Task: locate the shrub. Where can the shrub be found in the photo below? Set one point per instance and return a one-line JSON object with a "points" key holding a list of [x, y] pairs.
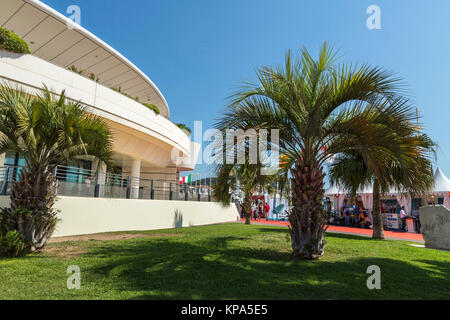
{"points": [[12, 244], [152, 107], [10, 41], [75, 69], [183, 127], [148, 105], [91, 76]]}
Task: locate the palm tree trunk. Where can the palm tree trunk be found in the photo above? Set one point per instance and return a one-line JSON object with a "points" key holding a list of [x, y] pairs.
{"points": [[247, 208], [33, 197], [307, 218], [378, 230]]}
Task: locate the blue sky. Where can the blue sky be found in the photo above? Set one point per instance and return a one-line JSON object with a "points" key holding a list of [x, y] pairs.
{"points": [[197, 51]]}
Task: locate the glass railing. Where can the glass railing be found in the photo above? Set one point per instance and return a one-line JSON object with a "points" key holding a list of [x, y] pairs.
{"points": [[79, 182]]}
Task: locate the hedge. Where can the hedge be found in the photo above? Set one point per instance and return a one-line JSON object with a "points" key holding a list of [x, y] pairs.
{"points": [[182, 126], [10, 41], [152, 107]]}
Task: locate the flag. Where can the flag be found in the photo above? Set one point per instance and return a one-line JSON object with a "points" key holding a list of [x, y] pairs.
{"points": [[184, 180]]}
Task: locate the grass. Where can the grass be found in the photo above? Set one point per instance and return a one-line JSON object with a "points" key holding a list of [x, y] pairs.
{"points": [[228, 261]]}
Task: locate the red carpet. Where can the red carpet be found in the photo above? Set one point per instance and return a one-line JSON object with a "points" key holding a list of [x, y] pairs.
{"points": [[358, 231]]}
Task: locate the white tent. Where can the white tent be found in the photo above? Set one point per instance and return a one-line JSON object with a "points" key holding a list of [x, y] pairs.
{"points": [[334, 189], [339, 193], [441, 182], [442, 186]]}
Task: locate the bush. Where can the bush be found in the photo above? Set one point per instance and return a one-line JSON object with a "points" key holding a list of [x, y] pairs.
{"points": [[10, 41], [148, 105], [152, 107], [12, 244], [183, 127]]}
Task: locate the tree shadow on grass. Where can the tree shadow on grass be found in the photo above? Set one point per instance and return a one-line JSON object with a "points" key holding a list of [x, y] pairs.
{"points": [[281, 230], [215, 269]]}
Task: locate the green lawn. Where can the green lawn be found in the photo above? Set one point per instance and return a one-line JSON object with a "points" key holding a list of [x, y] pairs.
{"points": [[229, 261]]}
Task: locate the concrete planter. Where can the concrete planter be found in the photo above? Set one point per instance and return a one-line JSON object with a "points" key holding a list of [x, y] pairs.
{"points": [[435, 226]]}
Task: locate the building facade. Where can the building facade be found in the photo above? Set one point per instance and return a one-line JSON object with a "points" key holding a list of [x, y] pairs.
{"points": [[65, 56]]}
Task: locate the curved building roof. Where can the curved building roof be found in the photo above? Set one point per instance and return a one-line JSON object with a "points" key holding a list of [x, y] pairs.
{"points": [[57, 39]]}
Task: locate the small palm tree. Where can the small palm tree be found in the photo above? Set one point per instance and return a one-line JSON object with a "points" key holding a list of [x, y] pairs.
{"points": [[244, 178], [411, 172], [321, 110], [46, 131]]}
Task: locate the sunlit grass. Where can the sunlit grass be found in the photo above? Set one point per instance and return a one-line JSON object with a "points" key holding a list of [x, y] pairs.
{"points": [[228, 261]]}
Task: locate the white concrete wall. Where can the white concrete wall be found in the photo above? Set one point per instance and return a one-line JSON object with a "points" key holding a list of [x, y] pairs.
{"points": [[91, 215]]}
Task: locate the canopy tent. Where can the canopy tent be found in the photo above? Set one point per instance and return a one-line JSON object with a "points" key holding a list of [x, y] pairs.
{"points": [[339, 193], [277, 203], [336, 189], [441, 187], [441, 182]]}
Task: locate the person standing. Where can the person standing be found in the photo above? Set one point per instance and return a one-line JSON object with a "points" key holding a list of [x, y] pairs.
{"points": [[267, 209], [403, 217], [87, 182], [416, 215], [344, 207], [347, 216], [260, 211], [355, 213]]}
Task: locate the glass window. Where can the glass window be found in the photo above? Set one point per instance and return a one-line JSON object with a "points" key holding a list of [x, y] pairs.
{"points": [[10, 159]]}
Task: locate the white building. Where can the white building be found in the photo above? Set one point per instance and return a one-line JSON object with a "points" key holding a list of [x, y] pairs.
{"points": [[144, 143], [143, 140]]}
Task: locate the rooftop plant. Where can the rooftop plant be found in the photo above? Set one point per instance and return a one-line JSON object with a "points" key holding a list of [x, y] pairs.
{"points": [[119, 90], [183, 127], [10, 41], [152, 107], [148, 105], [91, 76]]}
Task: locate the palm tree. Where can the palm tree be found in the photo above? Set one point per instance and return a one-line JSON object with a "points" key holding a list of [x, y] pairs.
{"points": [[411, 172], [46, 131], [321, 109], [244, 178]]}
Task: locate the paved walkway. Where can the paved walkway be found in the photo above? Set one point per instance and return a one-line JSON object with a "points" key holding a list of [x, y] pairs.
{"points": [[395, 235]]}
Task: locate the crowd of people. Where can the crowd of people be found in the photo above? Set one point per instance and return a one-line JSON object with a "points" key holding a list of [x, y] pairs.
{"points": [[355, 216], [260, 210], [349, 215], [352, 216]]}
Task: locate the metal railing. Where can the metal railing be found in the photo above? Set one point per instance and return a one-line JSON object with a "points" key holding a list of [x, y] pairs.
{"points": [[79, 182]]}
